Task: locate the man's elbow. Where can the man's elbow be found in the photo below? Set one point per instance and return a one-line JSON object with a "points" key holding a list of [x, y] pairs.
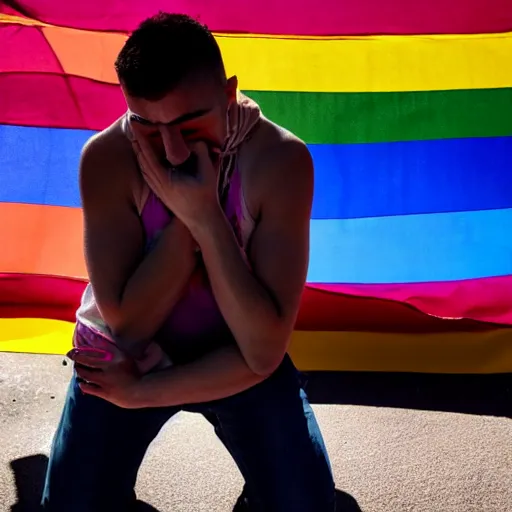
{"points": [[268, 359], [129, 336], [118, 325], [130, 332]]}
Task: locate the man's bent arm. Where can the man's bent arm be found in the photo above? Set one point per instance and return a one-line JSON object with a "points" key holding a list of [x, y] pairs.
{"points": [[134, 292], [219, 374], [152, 290], [260, 305]]}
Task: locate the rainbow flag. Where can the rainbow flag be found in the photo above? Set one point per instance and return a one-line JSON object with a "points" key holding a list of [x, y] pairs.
{"points": [[407, 110]]}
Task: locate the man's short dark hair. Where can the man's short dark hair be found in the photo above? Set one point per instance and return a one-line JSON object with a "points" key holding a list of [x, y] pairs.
{"points": [[165, 50]]}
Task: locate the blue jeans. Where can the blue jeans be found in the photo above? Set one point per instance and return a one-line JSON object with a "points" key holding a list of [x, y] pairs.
{"points": [[270, 431]]}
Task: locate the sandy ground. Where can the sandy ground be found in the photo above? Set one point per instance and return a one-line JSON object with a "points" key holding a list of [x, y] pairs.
{"points": [[398, 443]]}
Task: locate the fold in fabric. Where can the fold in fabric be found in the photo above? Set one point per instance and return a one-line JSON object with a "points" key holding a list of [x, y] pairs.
{"points": [[411, 308], [350, 17]]}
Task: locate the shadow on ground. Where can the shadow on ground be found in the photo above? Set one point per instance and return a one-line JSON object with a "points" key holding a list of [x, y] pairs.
{"points": [[489, 395], [29, 479], [29, 473]]}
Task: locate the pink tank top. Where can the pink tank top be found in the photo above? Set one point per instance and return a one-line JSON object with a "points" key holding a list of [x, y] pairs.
{"points": [[196, 321]]}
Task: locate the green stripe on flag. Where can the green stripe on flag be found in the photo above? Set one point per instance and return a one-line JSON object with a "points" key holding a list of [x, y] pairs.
{"points": [[344, 118]]}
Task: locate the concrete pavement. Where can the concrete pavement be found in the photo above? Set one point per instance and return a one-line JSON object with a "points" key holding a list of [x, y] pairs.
{"points": [[397, 443]]}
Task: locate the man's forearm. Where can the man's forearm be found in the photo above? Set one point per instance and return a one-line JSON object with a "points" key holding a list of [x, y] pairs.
{"points": [[154, 289], [217, 375], [249, 310]]}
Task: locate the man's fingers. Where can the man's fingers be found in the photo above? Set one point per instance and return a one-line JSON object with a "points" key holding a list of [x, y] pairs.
{"points": [[102, 348], [200, 148], [209, 163], [147, 156], [93, 352], [90, 389], [91, 361], [141, 157], [91, 376], [154, 173], [206, 154]]}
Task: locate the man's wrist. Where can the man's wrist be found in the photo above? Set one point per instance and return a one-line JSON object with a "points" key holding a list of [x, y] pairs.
{"points": [[147, 391], [178, 235], [139, 394], [135, 349], [206, 228]]}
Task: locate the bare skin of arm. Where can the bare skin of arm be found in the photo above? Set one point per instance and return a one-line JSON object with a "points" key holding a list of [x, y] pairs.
{"points": [[134, 293], [259, 305]]}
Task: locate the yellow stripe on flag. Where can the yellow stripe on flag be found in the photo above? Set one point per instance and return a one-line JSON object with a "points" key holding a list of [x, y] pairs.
{"points": [[449, 352], [356, 64], [455, 352], [35, 335]]}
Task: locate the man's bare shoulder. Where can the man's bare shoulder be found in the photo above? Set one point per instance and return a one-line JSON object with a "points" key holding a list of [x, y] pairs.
{"points": [[107, 146], [107, 159], [276, 163]]}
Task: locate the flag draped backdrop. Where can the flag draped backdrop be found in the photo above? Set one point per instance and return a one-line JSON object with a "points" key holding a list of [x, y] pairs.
{"points": [[406, 107]]}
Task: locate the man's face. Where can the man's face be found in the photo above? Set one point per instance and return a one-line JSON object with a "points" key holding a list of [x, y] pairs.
{"points": [[196, 109]]}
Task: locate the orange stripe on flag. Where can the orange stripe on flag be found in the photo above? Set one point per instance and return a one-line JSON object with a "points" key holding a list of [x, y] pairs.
{"points": [[42, 240], [84, 53]]}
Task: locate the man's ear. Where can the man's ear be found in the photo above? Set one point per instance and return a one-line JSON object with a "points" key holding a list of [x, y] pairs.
{"points": [[231, 88]]}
